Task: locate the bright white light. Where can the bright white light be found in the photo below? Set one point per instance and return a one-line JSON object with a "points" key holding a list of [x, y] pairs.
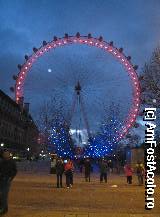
{"points": [[2, 144], [154, 100], [28, 149], [49, 70]]}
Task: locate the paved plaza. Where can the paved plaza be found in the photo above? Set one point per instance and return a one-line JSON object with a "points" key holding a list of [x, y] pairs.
{"points": [[34, 194]]}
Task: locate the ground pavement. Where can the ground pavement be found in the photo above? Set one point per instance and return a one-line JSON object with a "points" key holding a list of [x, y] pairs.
{"points": [[34, 194]]}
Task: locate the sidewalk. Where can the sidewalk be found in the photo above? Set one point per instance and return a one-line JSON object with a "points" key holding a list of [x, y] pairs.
{"points": [[36, 195], [63, 214]]}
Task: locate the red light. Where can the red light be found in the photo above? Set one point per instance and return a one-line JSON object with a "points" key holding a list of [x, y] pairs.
{"points": [[97, 43]]}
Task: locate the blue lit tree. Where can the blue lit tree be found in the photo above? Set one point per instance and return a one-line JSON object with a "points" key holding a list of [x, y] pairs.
{"points": [[97, 147], [104, 143], [60, 139]]}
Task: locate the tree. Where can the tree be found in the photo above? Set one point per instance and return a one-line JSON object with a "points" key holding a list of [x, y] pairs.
{"points": [[150, 80], [60, 139], [105, 142], [150, 85], [49, 112]]}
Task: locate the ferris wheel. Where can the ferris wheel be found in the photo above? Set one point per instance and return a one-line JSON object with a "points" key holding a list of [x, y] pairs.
{"points": [[99, 43]]}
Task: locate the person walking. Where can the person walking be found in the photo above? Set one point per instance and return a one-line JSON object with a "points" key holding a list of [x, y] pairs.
{"points": [[128, 172], [110, 166], [53, 164], [103, 171], [59, 172], [140, 172], [87, 170], [8, 171], [69, 173]]}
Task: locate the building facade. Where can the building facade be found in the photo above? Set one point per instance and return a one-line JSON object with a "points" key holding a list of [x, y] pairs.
{"points": [[17, 129]]}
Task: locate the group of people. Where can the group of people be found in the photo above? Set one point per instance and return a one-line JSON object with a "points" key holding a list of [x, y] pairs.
{"points": [[67, 168], [139, 170], [8, 171]]}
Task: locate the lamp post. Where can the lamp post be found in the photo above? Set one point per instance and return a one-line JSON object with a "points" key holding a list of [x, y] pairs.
{"points": [[2, 144]]}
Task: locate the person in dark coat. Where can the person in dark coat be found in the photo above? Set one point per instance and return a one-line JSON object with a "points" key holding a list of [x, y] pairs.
{"points": [[103, 170], [87, 168], [59, 172], [140, 171], [8, 171]]}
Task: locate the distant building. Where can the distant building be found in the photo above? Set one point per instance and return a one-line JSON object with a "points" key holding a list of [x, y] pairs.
{"points": [[17, 129]]}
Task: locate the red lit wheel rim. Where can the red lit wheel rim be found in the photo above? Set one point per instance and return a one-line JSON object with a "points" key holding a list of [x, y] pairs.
{"points": [[106, 47]]}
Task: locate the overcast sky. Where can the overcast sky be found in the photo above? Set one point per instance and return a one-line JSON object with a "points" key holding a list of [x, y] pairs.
{"points": [[133, 25]]}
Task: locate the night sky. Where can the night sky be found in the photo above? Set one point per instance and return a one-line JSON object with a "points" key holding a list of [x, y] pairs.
{"points": [[133, 25]]}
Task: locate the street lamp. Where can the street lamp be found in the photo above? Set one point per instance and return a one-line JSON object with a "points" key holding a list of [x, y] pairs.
{"points": [[2, 144]]}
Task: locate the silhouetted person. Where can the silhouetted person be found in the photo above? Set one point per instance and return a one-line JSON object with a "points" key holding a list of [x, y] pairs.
{"points": [[103, 170], [140, 172], [87, 170], [110, 165], [8, 171], [59, 172]]}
